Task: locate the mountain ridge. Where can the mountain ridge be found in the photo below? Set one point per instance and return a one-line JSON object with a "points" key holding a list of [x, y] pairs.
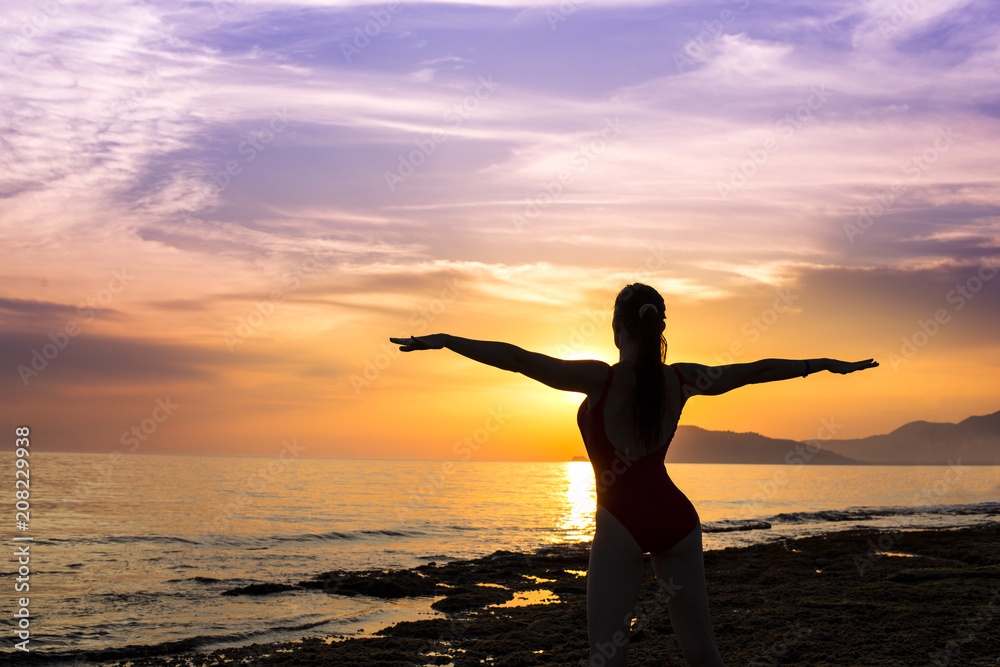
{"points": [[972, 441]]}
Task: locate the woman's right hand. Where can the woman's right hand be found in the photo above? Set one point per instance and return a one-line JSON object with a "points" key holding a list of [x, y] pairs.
{"points": [[413, 343]]}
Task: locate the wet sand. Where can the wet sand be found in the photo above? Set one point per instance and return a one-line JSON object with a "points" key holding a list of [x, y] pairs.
{"points": [[848, 598]]}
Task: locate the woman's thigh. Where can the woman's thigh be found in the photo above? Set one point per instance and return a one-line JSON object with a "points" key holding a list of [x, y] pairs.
{"points": [[613, 581], [680, 571]]}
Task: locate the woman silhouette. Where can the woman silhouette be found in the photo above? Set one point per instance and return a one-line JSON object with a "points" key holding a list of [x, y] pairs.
{"points": [[627, 421]]}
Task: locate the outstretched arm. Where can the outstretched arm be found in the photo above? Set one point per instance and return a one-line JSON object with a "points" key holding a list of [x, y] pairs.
{"points": [[584, 376], [715, 380]]}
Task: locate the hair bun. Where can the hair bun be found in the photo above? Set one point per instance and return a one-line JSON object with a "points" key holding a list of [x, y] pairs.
{"points": [[645, 308]]}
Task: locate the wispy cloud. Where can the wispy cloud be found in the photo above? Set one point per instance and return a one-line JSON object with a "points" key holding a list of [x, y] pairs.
{"points": [[214, 149]]}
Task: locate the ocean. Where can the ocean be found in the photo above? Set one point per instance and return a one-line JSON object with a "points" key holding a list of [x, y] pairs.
{"points": [[137, 550]]}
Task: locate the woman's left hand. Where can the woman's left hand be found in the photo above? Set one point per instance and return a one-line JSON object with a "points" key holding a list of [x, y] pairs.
{"points": [[413, 343], [845, 367]]}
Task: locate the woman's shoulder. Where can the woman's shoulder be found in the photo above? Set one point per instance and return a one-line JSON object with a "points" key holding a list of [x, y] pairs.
{"points": [[598, 375]]}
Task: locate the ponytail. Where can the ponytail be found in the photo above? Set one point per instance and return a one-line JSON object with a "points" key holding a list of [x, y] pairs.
{"points": [[648, 404], [641, 310]]}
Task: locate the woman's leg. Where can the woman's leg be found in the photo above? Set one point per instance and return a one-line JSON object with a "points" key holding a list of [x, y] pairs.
{"points": [[681, 573], [613, 581]]}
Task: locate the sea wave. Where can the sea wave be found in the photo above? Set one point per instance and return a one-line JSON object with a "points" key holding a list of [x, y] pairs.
{"points": [[251, 541], [188, 644], [731, 525], [849, 514], [870, 513]]}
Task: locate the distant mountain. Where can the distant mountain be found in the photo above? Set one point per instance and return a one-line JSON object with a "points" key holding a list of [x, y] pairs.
{"points": [[976, 441], [697, 445]]}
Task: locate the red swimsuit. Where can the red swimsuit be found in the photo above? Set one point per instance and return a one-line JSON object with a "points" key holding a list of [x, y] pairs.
{"points": [[636, 490]]}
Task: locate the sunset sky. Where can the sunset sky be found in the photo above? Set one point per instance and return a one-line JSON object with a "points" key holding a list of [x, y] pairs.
{"points": [[214, 215]]}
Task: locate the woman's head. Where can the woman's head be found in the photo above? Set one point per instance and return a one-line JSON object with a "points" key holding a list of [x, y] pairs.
{"points": [[643, 325]]}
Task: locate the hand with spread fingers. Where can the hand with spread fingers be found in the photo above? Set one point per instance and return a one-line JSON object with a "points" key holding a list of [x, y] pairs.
{"points": [[413, 343]]}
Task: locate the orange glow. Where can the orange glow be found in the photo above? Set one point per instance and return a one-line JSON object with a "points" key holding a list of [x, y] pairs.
{"points": [[149, 255], [326, 376]]}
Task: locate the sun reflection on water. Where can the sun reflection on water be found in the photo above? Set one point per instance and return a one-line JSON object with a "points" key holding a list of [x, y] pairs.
{"points": [[579, 501]]}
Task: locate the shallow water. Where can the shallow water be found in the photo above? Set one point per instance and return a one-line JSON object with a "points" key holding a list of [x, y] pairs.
{"points": [[137, 550]]}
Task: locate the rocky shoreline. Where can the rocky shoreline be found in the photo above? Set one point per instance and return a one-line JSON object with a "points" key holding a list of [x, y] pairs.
{"points": [[848, 598]]}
